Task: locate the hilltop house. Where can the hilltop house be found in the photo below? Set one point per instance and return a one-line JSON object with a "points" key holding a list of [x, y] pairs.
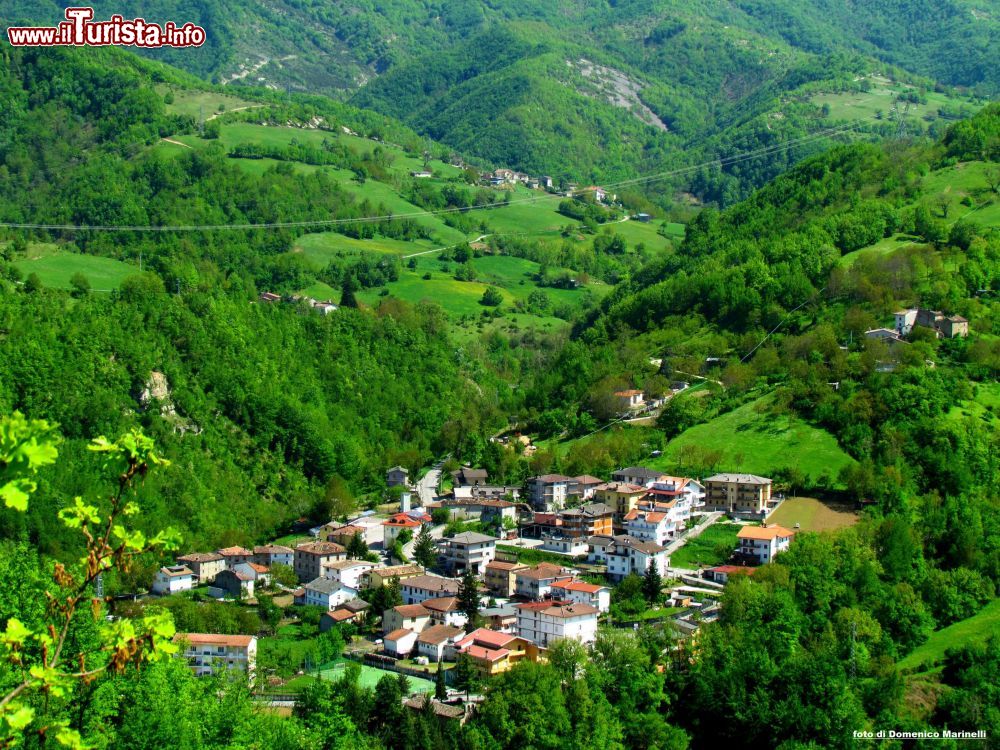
{"points": [[630, 400], [947, 326], [212, 654], [204, 565], [760, 544], [469, 477], [172, 579]]}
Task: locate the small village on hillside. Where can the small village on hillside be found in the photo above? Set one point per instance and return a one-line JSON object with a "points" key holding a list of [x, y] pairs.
{"points": [[453, 586]]}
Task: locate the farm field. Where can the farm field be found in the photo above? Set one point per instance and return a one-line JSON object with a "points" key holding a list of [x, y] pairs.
{"points": [[975, 629], [852, 105], [712, 547], [812, 515], [56, 267], [752, 439], [198, 104]]}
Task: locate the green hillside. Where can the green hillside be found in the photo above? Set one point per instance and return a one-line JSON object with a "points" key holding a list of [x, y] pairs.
{"points": [[975, 629], [756, 440]]}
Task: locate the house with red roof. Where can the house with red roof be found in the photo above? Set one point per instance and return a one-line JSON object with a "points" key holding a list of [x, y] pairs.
{"points": [[396, 524], [581, 592], [492, 652], [760, 544]]}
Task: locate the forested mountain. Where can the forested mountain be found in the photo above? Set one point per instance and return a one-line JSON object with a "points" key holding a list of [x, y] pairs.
{"points": [[597, 91]]}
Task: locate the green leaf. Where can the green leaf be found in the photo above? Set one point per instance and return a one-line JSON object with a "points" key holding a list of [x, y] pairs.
{"points": [[20, 717], [16, 632], [15, 494]]}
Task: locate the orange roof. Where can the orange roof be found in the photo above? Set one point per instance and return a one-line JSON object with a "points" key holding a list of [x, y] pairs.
{"points": [[486, 654], [501, 565], [587, 588], [541, 571], [320, 548], [395, 635], [412, 610], [403, 521], [258, 568], [339, 615], [233, 551], [215, 639], [764, 533], [487, 638], [628, 393]]}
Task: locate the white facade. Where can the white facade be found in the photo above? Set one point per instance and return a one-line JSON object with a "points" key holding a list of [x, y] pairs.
{"points": [[544, 625], [328, 594], [469, 550], [579, 592], [421, 588], [762, 543], [209, 653], [905, 320], [624, 555], [650, 526], [549, 491], [347, 572], [566, 545], [400, 642], [170, 580]]}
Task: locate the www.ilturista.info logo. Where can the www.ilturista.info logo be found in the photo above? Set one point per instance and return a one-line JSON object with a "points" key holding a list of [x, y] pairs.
{"points": [[78, 30]]}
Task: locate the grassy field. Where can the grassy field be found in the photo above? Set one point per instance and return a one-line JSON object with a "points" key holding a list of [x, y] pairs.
{"points": [[712, 547], [369, 678], [751, 439], [812, 515], [535, 556], [201, 104], [854, 105], [975, 629], [322, 247], [55, 268]]}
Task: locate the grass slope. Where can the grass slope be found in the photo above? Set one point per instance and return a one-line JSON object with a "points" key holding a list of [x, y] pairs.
{"points": [[712, 547], [752, 439], [974, 629], [811, 515], [56, 267]]}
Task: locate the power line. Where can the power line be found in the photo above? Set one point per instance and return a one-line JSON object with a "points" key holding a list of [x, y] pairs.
{"points": [[725, 161]]}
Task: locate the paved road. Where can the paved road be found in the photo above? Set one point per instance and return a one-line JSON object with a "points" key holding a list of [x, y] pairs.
{"points": [[428, 484]]}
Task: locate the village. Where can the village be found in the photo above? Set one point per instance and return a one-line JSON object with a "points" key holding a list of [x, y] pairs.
{"points": [[459, 585]]}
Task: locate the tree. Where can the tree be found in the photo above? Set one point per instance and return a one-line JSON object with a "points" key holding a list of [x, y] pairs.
{"points": [[468, 596], [424, 551], [356, 547], [348, 291], [33, 283], [466, 675], [46, 660], [284, 574], [80, 284], [652, 585], [440, 684], [491, 297]]}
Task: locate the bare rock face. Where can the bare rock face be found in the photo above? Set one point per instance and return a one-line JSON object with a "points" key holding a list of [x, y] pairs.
{"points": [[157, 391]]}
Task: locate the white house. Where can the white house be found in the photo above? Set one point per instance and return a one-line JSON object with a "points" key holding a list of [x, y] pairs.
{"points": [[649, 524], [548, 491], [434, 640], [414, 617], [544, 623], [400, 642], [688, 492], [536, 582], [395, 525], [905, 320], [581, 592], [211, 653], [639, 476], [625, 554], [271, 554], [327, 593], [205, 565], [444, 610], [259, 574], [566, 545], [347, 572], [419, 589], [762, 543], [173, 578], [469, 550]]}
